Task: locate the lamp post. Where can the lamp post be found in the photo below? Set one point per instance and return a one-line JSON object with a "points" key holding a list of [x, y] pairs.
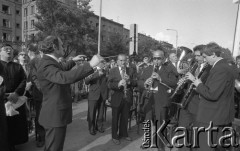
{"points": [[176, 37], [99, 28]]}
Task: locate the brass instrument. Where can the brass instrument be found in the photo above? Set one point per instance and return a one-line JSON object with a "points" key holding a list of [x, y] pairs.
{"points": [[183, 84], [185, 100]]}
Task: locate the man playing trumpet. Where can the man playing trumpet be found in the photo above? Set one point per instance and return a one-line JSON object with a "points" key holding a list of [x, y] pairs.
{"points": [[157, 83], [121, 81]]}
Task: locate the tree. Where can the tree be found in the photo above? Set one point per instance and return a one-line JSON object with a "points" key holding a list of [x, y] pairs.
{"points": [[69, 23], [114, 45]]}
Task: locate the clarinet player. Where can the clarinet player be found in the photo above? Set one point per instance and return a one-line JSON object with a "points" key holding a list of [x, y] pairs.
{"points": [[121, 81], [158, 102], [216, 96]]}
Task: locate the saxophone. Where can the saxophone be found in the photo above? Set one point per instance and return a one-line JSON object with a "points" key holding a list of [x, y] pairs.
{"points": [[181, 86]]}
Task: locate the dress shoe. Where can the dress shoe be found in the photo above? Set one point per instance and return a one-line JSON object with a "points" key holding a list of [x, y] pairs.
{"points": [[116, 141], [92, 132], [40, 144], [127, 138], [101, 130]]}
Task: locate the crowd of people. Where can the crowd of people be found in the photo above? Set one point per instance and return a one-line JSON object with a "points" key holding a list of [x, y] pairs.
{"points": [[53, 84]]}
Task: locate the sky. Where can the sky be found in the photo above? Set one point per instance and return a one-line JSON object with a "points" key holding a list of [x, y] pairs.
{"points": [[197, 21]]}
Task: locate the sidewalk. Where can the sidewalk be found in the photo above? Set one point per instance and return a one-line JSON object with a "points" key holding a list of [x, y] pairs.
{"points": [[79, 139]]}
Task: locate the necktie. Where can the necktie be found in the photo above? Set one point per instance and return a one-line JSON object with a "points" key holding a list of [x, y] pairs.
{"points": [[197, 70]]}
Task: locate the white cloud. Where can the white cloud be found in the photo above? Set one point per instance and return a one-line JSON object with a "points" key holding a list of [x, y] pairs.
{"points": [[162, 37]]}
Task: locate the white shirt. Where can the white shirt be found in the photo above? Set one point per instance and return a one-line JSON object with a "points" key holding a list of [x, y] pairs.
{"points": [[216, 62], [52, 56]]}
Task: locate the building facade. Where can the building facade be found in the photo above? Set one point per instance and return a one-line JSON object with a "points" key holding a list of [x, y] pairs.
{"points": [[29, 10], [10, 21]]}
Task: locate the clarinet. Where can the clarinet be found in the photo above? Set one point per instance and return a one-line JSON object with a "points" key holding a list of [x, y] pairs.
{"points": [[187, 95]]}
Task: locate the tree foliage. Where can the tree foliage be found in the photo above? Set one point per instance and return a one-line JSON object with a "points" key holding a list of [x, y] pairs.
{"points": [[69, 23], [114, 45]]}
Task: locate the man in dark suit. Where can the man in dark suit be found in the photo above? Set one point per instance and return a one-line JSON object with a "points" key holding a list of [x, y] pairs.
{"points": [[98, 93], [55, 79], [121, 81], [187, 116], [36, 93], [216, 102], [158, 102], [173, 61]]}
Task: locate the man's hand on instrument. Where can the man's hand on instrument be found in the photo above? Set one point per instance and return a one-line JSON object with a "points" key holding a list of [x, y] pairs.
{"points": [[13, 97], [148, 82], [156, 76], [180, 82], [196, 82], [189, 76]]}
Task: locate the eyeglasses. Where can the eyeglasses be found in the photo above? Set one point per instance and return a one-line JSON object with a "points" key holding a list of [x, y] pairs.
{"points": [[158, 58]]}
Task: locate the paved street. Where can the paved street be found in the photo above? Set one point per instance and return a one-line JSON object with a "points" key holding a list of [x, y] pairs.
{"points": [[79, 139]]}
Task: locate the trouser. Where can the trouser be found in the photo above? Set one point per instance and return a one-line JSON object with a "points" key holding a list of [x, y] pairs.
{"points": [[39, 128], [55, 137], [161, 114], [120, 113], [204, 138], [186, 120], [95, 113]]}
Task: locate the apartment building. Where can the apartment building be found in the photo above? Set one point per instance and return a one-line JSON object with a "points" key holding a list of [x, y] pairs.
{"points": [[10, 20], [29, 10]]}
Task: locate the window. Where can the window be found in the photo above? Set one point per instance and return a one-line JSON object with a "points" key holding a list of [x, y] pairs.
{"points": [[96, 24], [17, 38], [25, 38], [18, 12], [25, 25], [5, 9], [25, 12], [17, 25], [6, 37], [32, 23], [32, 9], [6, 23]]}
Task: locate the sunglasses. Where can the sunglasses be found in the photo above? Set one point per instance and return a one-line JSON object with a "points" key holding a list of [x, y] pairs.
{"points": [[158, 58]]}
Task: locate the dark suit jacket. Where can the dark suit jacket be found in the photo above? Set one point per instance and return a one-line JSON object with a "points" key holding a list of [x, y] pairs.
{"points": [[98, 86], [36, 90], [118, 94], [194, 97], [217, 95], [168, 76], [173, 68], [55, 80]]}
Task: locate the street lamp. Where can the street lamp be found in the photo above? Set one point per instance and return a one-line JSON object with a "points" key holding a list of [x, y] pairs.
{"points": [[99, 28], [176, 37]]}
